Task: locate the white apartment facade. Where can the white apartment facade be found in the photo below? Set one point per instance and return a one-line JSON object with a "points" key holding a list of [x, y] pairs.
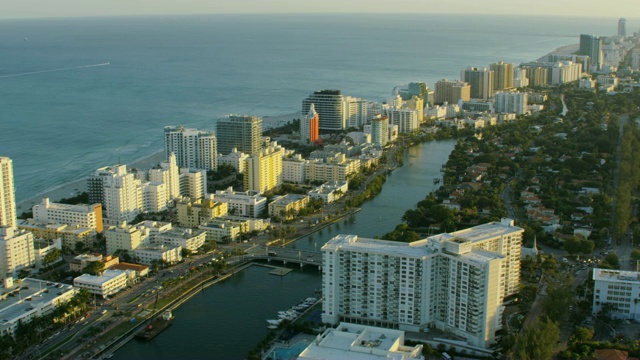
{"points": [[168, 174], [407, 120], [511, 102], [451, 281], [87, 216], [241, 203], [620, 290], [121, 193], [193, 183], [188, 239], [293, 169], [194, 149], [235, 158], [169, 254], [16, 251]]}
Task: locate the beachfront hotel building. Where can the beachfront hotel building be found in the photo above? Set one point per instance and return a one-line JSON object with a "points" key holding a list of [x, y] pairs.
{"points": [[330, 107], [455, 282], [407, 120], [350, 341], [24, 300], [481, 81], [293, 169], [119, 192], [451, 91], [193, 148], [240, 132], [618, 289], [8, 215], [16, 251], [86, 216], [309, 126], [105, 284], [263, 170]]}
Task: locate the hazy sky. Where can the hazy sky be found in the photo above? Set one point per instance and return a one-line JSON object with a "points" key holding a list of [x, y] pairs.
{"points": [[73, 8]]}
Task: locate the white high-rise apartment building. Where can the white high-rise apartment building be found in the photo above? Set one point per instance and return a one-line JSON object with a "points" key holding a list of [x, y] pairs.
{"points": [[407, 120], [122, 193], [241, 203], [520, 78], [235, 158], [8, 215], [355, 111], [455, 282], [511, 102], [380, 130], [193, 183], [620, 290], [16, 251], [86, 216], [194, 149], [169, 175]]}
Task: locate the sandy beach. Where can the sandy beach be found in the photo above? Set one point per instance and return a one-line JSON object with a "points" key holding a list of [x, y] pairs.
{"points": [[76, 187], [563, 50]]}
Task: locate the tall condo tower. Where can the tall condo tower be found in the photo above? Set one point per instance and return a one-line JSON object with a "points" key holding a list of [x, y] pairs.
{"points": [[240, 132], [622, 27], [7, 194], [481, 81], [309, 126], [329, 105], [591, 46], [502, 75], [194, 149]]}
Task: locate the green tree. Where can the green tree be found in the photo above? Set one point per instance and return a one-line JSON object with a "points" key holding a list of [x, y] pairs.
{"points": [[635, 254], [94, 267], [538, 341], [612, 259], [51, 257]]}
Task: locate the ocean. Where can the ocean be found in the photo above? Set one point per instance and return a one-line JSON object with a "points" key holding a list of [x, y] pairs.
{"points": [[78, 94]]}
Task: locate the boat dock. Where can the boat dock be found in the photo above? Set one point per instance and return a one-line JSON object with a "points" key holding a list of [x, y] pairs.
{"points": [[280, 271]]}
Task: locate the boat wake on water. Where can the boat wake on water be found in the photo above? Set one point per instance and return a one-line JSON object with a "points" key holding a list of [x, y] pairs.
{"points": [[54, 70]]}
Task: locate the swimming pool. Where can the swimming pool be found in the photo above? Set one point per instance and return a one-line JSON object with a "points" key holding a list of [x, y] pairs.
{"points": [[279, 353]]}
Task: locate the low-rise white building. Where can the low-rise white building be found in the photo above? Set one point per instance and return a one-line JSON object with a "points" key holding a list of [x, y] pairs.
{"points": [[169, 254], [188, 239], [235, 158], [105, 284], [293, 169], [330, 191], [351, 341], [620, 290], [241, 203], [36, 298], [222, 231]]}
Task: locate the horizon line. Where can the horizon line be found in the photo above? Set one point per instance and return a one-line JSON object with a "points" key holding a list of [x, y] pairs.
{"points": [[46, 17]]}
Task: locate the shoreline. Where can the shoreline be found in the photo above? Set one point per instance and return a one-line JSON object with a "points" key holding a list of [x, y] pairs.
{"points": [[76, 187]]}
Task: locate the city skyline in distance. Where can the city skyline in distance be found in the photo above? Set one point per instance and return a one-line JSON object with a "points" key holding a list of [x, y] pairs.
{"points": [[82, 8]]}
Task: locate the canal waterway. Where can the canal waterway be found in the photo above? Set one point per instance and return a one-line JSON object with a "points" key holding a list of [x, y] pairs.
{"points": [[226, 320], [404, 187]]}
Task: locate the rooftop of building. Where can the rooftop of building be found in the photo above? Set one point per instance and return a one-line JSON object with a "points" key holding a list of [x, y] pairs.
{"points": [[181, 233], [616, 275], [129, 266], [351, 341], [156, 247], [28, 294], [415, 249], [99, 279], [482, 232], [80, 208], [288, 199]]}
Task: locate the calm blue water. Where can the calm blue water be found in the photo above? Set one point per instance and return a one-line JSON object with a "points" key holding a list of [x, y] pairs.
{"points": [[167, 70]]}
